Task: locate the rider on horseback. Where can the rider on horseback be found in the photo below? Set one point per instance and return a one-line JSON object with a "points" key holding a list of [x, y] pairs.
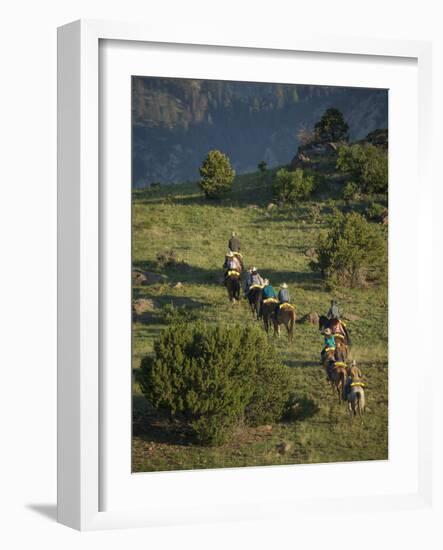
{"points": [[253, 278], [234, 247], [335, 323], [234, 242], [267, 293], [334, 312], [283, 296], [232, 263], [329, 342]]}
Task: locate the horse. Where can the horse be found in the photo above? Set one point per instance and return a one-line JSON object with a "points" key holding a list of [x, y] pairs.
{"points": [[232, 283], [355, 394], [268, 313], [254, 299], [341, 348], [335, 371], [333, 324], [284, 316], [342, 341], [337, 377]]}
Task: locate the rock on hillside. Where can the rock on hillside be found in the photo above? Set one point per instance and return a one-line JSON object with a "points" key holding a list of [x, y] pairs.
{"points": [[141, 306], [141, 278], [312, 318], [307, 153]]}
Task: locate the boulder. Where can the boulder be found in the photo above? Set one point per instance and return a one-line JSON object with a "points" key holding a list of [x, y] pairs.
{"points": [[305, 153], [142, 305], [312, 318], [140, 278]]}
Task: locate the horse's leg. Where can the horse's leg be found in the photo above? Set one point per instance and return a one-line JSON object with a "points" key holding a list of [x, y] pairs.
{"points": [[276, 328], [289, 328]]}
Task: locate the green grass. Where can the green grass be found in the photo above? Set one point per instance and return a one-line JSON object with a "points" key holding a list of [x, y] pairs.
{"points": [[275, 240]]}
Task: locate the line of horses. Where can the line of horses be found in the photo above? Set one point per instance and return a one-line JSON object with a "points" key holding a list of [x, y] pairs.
{"points": [[266, 309], [343, 378], [346, 379]]}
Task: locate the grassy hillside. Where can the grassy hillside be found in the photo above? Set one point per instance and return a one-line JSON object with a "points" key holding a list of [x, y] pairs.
{"points": [[276, 241]]}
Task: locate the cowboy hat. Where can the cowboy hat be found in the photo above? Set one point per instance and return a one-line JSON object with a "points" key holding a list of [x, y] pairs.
{"points": [[284, 285], [328, 331]]}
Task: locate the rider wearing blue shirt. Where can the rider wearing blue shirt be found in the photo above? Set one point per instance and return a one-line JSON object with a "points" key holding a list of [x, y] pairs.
{"points": [[268, 291]]}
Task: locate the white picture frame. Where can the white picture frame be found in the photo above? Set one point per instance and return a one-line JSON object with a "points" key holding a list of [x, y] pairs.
{"points": [[80, 259]]}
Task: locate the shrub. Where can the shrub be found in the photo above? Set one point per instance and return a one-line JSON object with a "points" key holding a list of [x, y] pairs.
{"points": [[271, 392], [214, 377], [332, 127], [367, 165], [292, 186], [376, 212], [350, 191], [174, 315], [216, 174], [353, 252], [313, 212]]}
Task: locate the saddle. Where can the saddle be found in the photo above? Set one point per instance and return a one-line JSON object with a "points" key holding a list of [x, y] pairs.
{"points": [[233, 273], [339, 364], [286, 305], [270, 301], [255, 286], [339, 336], [357, 384]]}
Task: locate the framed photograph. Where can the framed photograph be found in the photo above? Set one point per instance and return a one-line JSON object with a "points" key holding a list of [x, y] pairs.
{"points": [[239, 239]]}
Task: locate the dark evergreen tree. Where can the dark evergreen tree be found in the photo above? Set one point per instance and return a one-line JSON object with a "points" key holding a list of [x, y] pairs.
{"points": [[332, 126]]}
